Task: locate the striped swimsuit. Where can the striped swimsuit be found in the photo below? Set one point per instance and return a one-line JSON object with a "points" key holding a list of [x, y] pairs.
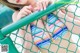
{"points": [[39, 37], [55, 26]]}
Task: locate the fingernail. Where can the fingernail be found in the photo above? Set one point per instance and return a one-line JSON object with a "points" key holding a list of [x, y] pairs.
{"points": [[30, 6]]}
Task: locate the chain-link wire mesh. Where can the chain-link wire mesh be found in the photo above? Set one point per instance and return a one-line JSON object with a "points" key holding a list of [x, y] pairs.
{"points": [[57, 32]]}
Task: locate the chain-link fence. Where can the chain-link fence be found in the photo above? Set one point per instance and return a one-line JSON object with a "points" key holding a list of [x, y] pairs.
{"points": [[57, 32]]}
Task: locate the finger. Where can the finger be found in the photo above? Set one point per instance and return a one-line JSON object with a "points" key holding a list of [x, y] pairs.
{"points": [[36, 9], [28, 11], [22, 15], [40, 5], [44, 5], [29, 7], [47, 2]]}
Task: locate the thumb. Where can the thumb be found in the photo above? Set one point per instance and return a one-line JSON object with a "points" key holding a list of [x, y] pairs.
{"points": [[36, 9], [30, 7]]}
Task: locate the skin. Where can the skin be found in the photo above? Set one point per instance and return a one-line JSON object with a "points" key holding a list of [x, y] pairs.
{"points": [[70, 19], [41, 5]]}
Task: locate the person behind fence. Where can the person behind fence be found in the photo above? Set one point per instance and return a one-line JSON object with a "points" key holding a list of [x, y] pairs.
{"points": [[42, 32]]}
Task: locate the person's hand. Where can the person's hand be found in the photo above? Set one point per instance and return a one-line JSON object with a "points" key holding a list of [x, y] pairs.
{"points": [[26, 10], [42, 4]]}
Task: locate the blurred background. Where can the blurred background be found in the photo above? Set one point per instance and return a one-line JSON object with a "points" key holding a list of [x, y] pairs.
{"points": [[5, 15]]}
